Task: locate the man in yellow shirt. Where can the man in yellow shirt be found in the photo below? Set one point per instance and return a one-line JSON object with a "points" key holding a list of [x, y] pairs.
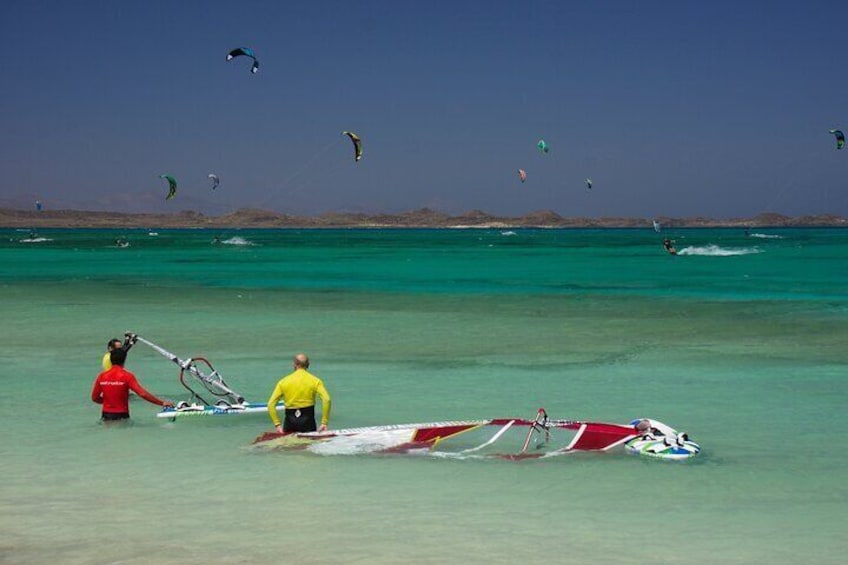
{"points": [[299, 391], [114, 343]]}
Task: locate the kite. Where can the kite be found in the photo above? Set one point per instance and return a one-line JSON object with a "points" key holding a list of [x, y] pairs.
{"points": [[522, 175], [246, 52], [38, 205], [357, 145], [840, 138], [543, 146], [589, 183], [172, 184], [215, 180]]}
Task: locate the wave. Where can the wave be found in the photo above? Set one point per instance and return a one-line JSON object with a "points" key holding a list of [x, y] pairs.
{"points": [[508, 233], [35, 240], [766, 236], [237, 241], [716, 251]]}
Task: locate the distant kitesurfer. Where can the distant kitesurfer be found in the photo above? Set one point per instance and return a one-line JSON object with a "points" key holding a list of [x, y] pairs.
{"points": [[298, 391], [111, 389], [669, 246]]}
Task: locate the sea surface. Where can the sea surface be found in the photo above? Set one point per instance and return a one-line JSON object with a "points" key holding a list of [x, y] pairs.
{"points": [[741, 341]]}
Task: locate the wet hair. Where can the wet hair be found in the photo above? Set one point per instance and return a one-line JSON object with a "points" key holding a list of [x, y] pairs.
{"points": [[111, 345], [118, 356]]}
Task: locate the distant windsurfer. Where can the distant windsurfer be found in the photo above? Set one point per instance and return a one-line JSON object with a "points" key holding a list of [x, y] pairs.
{"points": [[298, 390], [111, 389], [669, 246]]}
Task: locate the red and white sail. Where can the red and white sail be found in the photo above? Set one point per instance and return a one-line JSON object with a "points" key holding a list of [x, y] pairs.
{"points": [[548, 436]]}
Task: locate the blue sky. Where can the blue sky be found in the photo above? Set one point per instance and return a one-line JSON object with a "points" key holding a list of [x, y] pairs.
{"points": [[677, 108]]}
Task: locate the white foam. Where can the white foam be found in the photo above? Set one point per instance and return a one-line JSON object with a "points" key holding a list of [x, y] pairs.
{"points": [[766, 236], [364, 442], [716, 251], [237, 241], [508, 233], [35, 240]]}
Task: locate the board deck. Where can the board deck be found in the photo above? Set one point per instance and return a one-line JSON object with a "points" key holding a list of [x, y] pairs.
{"points": [[205, 410]]}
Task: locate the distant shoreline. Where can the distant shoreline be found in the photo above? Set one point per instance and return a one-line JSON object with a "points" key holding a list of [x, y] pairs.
{"points": [[423, 218]]}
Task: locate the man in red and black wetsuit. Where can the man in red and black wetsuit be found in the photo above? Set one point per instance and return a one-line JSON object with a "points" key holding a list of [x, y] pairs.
{"points": [[111, 389]]}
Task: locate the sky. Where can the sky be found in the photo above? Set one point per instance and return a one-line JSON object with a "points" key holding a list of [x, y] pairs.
{"points": [[672, 108]]}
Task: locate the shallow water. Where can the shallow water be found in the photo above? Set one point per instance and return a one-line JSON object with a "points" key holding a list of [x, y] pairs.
{"points": [[745, 350]]}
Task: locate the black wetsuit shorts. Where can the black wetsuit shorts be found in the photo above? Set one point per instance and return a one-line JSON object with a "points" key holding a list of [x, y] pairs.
{"points": [[112, 416], [300, 420]]}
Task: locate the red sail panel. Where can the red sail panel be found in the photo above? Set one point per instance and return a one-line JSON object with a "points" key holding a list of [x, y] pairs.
{"points": [[427, 435], [267, 436], [594, 436]]}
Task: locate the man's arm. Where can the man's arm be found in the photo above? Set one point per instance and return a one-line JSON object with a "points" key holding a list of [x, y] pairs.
{"points": [[97, 392], [272, 406], [136, 387], [326, 404]]}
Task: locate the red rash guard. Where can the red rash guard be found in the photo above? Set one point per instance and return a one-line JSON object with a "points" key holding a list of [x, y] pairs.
{"points": [[111, 389]]}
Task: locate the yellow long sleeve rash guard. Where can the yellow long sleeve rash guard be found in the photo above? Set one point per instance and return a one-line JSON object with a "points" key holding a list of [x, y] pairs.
{"points": [[299, 390]]}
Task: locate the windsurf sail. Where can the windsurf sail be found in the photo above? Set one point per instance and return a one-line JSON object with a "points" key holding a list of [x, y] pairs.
{"points": [[546, 437], [598, 436]]}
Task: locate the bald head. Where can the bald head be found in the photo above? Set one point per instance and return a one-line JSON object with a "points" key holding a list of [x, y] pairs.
{"points": [[301, 361]]}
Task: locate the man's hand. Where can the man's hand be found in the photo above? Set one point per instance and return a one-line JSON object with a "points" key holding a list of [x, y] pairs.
{"points": [[129, 340], [322, 428], [278, 428]]}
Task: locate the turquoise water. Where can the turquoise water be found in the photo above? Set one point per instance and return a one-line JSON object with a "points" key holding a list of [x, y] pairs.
{"points": [[741, 341]]}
